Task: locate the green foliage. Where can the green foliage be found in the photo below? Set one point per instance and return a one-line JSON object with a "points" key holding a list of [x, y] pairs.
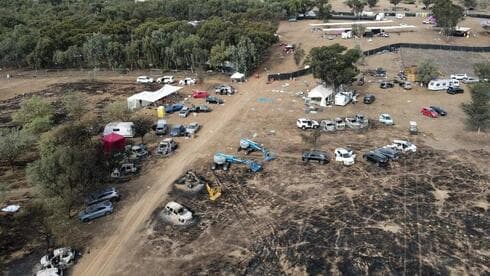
{"points": [[358, 30], [14, 143], [478, 110], [35, 115], [427, 3], [448, 15], [142, 126], [395, 2], [244, 55], [75, 105], [357, 6], [334, 65], [117, 111], [426, 71], [122, 33], [324, 9], [469, 4], [69, 167], [482, 70], [372, 3]]}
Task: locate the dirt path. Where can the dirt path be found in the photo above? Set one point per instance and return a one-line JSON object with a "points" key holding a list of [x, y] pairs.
{"points": [[102, 261]]}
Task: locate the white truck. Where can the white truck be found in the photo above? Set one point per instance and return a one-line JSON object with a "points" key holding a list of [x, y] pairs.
{"points": [[304, 123], [345, 156], [403, 146]]}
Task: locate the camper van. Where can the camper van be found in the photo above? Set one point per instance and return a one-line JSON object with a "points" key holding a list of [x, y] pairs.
{"points": [[125, 129], [442, 84]]}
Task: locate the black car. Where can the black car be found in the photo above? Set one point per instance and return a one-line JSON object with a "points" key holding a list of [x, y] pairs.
{"points": [[386, 85], [369, 99], [320, 156], [439, 110], [388, 152], [214, 100], [200, 108], [455, 90], [379, 159]]}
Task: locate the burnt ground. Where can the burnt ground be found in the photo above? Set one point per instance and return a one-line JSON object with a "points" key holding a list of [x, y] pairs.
{"points": [[426, 214]]}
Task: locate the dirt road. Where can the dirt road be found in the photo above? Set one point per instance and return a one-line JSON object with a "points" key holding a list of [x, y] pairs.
{"points": [[101, 261]]}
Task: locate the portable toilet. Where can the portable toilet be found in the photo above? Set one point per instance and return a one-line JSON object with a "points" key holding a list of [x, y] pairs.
{"points": [[161, 112]]}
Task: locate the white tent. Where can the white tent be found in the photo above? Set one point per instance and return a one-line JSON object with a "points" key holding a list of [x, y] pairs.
{"points": [[237, 77], [146, 98], [321, 95]]}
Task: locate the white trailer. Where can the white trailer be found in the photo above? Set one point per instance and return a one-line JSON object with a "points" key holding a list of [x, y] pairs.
{"points": [[442, 84], [343, 98]]}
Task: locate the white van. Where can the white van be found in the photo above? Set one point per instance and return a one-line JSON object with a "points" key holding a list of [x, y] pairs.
{"points": [[442, 84]]}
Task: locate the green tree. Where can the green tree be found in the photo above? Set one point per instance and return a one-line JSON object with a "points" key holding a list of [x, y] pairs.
{"points": [[469, 4], [311, 137], [95, 49], [395, 2], [426, 71], [324, 9], [357, 6], [75, 105], [142, 126], [299, 54], [372, 3], [244, 55], [358, 30], [219, 54], [478, 110], [117, 111], [35, 115], [448, 15], [335, 65], [482, 70], [14, 143], [427, 3]]}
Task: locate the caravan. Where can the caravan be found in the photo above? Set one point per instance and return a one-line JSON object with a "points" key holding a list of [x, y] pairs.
{"points": [[343, 98], [125, 129], [442, 84]]}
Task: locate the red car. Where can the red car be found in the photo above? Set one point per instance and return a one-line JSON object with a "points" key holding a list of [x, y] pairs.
{"points": [[429, 112], [198, 94]]}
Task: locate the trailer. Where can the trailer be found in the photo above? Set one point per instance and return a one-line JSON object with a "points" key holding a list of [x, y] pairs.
{"points": [[442, 84]]}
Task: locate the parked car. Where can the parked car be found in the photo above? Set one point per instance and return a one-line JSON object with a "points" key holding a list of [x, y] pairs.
{"points": [[407, 85], [50, 271], [139, 151], [470, 80], [95, 211], [403, 146], [369, 99], [379, 159], [144, 79], [178, 130], [166, 79], [439, 110], [455, 90], [345, 156], [62, 258], [429, 112], [171, 108], [161, 128], [184, 112], [103, 195], [187, 81], [386, 85], [214, 100], [307, 123], [192, 128], [200, 108], [199, 94], [386, 119], [459, 76], [166, 146], [391, 153], [224, 89], [320, 156]]}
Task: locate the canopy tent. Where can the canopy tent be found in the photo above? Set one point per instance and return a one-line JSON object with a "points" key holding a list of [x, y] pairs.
{"points": [[237, 77], [321, 95], [113, 142], [146, 98]]}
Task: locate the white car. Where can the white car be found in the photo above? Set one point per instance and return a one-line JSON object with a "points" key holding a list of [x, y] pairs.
{"points": [[144, 79], [403, 146], [459, 76], [307, 123], [345, 156], [50, 271], [386, 119], [192, 128], [177, 214], [187, 81], [62, 257], [166, 79], [471, 80]]}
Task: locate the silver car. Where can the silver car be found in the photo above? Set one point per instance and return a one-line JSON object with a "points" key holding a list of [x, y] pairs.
{"points": [[192, 128], [96, 211], [103, 195]]}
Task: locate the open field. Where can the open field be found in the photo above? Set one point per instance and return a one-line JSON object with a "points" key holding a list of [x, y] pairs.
{"points": [[428, 213]]}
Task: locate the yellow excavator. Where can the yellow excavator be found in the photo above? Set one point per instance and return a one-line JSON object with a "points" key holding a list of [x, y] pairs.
{"points": [[214, 192]]}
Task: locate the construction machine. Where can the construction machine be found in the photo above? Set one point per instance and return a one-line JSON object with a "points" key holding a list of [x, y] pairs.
{"points": [[214, 192], [225, 160], [251, 146]]}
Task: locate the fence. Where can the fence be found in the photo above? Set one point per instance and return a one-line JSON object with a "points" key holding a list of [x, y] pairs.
{"points": [[386, 48]]}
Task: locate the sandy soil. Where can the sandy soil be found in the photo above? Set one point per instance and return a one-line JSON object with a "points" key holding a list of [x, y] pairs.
{"points": [[278, 212]]}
